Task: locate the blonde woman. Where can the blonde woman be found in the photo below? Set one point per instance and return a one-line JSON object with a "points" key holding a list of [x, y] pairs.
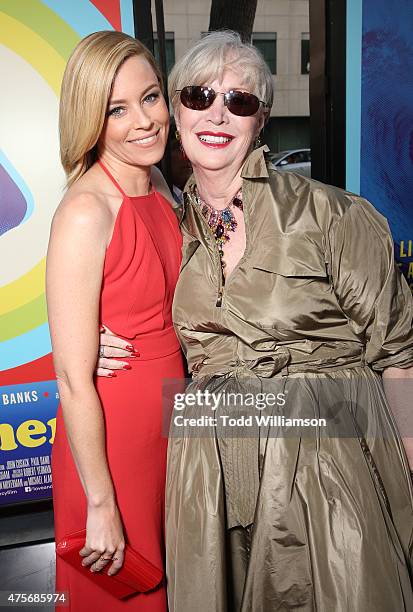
{"points": [[113, 261]]}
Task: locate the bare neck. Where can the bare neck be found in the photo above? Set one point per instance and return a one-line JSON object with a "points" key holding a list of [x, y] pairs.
{"points": [[217, 187], [134, 180]]}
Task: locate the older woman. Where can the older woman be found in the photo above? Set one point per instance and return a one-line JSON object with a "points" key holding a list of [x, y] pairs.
{"points": [[287, 288]]}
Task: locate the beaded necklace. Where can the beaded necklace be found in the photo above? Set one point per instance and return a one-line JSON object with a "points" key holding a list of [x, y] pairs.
{"points": [[220, 222]]}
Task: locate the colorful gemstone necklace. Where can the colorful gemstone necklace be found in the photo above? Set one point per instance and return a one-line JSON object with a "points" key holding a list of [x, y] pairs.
{"points": [[220, 222]]}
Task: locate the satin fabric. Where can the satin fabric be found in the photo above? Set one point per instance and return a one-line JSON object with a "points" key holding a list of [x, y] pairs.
{"points": [[315, 307]]}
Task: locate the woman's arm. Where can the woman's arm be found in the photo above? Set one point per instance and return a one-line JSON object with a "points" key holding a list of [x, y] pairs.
{"points": [[74, 274], [378, 303], [398, 387]]}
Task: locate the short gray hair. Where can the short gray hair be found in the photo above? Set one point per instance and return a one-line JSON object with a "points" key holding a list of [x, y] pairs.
{"points": [[207, 60]]}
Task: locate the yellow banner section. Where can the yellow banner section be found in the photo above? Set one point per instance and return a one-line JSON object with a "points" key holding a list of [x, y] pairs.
{"points": [[34, 50], [23, 290]]}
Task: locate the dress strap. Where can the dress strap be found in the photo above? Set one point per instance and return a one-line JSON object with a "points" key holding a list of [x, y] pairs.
{"points": [[114, 181]]}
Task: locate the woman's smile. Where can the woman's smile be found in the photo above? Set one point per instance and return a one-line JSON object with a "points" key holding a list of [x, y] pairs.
{"points": [[215, 140], [146, 141]]}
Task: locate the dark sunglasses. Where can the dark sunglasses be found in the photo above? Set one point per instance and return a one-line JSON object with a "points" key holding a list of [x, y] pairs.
{"points": [[241, 103]]}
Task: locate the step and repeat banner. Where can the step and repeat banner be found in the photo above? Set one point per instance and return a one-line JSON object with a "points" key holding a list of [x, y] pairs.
{"points": [[36, 39], [380, 114]]}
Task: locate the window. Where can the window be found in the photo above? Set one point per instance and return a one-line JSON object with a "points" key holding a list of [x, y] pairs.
{"points": [[266, 42], [301, 157], [305, 53], [169, 48], [295, 158]]}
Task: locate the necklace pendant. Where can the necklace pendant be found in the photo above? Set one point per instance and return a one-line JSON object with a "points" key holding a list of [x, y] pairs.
{"points": [[219, 231]]}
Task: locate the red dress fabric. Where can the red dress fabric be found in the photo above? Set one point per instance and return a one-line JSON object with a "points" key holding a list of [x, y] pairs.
{"points": [[140, 272]]}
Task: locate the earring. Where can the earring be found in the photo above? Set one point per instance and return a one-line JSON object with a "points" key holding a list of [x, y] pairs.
{"points": [[257, 142], [178, 135]]}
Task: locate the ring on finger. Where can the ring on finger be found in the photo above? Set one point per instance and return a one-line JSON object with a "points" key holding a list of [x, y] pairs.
{"points": [[101, 351]]}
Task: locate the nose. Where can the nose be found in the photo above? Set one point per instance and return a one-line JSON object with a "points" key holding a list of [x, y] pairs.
{"points": [[218, 112], [141, 118]]}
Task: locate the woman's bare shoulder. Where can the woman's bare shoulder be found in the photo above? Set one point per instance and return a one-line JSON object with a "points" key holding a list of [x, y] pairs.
{"points": [[86, 204]]}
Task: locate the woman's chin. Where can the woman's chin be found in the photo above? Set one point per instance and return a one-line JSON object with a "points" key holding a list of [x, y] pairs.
{"points": [[149, 157], [213, 164]]}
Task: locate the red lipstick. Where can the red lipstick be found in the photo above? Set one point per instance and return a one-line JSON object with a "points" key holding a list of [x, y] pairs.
{"points": [[213, 142]]}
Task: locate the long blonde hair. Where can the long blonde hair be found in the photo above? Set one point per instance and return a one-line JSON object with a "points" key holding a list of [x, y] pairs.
{"points": [[86, 88]]}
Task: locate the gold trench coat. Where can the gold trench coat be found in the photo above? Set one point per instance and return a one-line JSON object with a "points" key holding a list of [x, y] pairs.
{"points": [[315, 308]]}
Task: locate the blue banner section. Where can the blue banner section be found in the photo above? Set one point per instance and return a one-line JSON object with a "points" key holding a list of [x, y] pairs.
{"points": [[27, 430], [386, 166]]}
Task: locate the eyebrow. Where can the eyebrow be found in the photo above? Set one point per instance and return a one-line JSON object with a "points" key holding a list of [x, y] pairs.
{"points": [[111, 102]]}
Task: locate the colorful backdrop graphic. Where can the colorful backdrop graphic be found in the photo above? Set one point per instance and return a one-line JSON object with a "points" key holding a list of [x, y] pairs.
{"points": [[380, 114], [36, 41]]}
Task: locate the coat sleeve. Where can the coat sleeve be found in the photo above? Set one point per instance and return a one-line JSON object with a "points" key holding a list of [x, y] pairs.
{"points": [[369, 287]]}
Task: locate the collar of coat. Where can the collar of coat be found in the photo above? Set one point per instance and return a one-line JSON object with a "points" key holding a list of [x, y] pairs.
{"points": [[255, 167]]}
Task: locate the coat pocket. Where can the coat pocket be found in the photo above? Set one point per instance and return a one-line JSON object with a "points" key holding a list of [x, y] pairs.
{"points": [[299, 254]]}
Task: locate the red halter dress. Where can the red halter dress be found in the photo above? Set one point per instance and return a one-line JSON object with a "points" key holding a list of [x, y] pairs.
{"points": [[140, 272]]}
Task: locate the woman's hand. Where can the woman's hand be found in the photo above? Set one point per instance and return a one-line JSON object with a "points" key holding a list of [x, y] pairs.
{"points": [[105, 542], [111, 346]]}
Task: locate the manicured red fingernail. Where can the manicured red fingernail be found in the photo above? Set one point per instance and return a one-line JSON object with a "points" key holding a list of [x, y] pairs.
{"points": [[112, 375], [129, 347], [135, 354], [127, 367]]}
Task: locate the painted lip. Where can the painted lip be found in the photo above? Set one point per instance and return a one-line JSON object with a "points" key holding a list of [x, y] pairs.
{"points": [[137, 141], [215, 145]]}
